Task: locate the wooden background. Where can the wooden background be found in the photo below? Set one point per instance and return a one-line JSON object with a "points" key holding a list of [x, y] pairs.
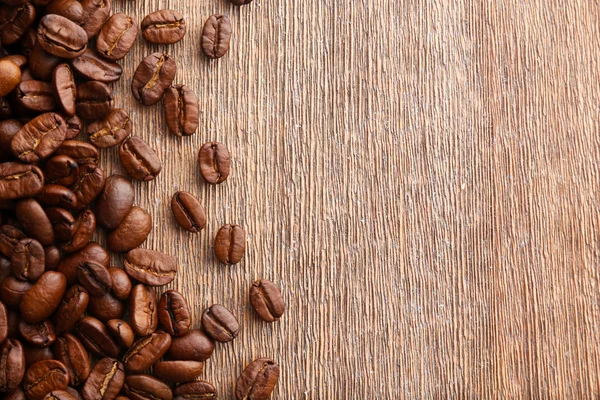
{"points": [[420, 178]]}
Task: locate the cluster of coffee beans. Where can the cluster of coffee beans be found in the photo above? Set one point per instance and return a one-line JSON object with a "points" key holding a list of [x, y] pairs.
{"points": [[71, 325]]}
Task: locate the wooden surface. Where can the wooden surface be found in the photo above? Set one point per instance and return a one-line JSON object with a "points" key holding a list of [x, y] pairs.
{"points": [[420, 178]]}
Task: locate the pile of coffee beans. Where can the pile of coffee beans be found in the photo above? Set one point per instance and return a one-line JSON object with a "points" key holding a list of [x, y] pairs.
{"points": [[72, 326]]}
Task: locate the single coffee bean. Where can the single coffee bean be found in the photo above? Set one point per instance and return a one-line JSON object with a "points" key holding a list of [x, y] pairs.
{"points": [[216, 36], [146, 387], [132, 231], [188, 212], [42, 63], [34, 354], [3, 323], [163, 27], [95, 278], [9, 238], [110, 131], [12, 291], [71, 308], [258, 380], [240, 2], [89, 184], [105, 381], [12, 365], [61, 170], [82, 153], [193, 346], [70, 351], [57, 195], [62, 222], [34, 97], [230, 244], [91, 252], [214, 161], [197, 390], [8, 129], [266, 299], [220, 324], [39, 138], [94, 100], [146, 351], [43, 377], [106, 307], [59, 395], [34, 221], [14, 22], [95, 337], [143, 310], [121, 331], [85, 225], [71, 9], [52, 257], [152, 77], [116, 37], [92, 67], [11, 74], [181, 110], [74, 126], [178, 371], [41, 334], [61, 37], [28, 260], [43, 298], [19, 180], [65, 91], [140, 161], [114, 202], [150, 267], [121, 284], [174, 314], [95, 14]]}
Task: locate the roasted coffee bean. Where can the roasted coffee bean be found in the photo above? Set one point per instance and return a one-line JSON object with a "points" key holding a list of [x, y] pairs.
{"points": [[216, 36], [52, 257], [116, 37], [41, 334], [140, 161], [12, 365], [240, 2], [214, 161], [150, 267], [181, 110], [94, 100], [61, 170], [34, 221], [70, 351], [220, 324], [43, 377], [198, 390], [61, 37], [163, 27], [146, 351], [43, 298], [121, 331], [121, 284], [74, 393], [3, 323], [14, 22], [106, 307], [95, 337], [39, 138], [95, 14], [8, 129], [42, 63], [230, 244], [132, 231], [266, 299], [34, 354], [70, 9], [95, 278], [85, 225], [91, 252], [89, 184], [28, 260], [82, 153], [178, 371], [152, 77], [27, 41], [258, 380], [92, 67], [57, 195], [72, 306], [12, 291], [174, 314], [188, 212], [9, 238], [105, 381], [11, 76], [59, 395], [74, 126], [65, 91], [146, 387], [111, 131], [114, 202], [34, 97], [143, 310], [63, 223], [194, 346], [19, 180]]}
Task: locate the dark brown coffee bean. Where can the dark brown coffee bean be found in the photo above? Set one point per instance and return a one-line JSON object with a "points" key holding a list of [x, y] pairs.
{"points": [[42, 63], [114, 202], [131, 232], [62, 222], [8, 129], [64, 89], [71, 9], [214, 161], [150, 267], [39, 138], [82, 153], [95, 14], [258, 380], [61, 170], [174, 314], [146, 351], [89, 184], [74, 126], [14, 22], [188, 212], [3, 323], [91, 252], [43, 298], [85, 225], [28, 260], [72, 306], [70, 351], [121, 284], [41, 334], [94, 100], [12, 291], [73, 392], [266, 299], [34, 221], [146, 387], [111, 131], [12, 365], [163, 27], [194, 346], [11, 76], [216, 36], [106, 307], [9, 238], [198, 390], [143, 310], [140, 161], [43, 377], [95, 278], [52, 257], [57, 195], [181, 110], [95, 337], [230, 244], [116, 37], [19, 180], [27, 41], [34, 97], [105, 381], [92, 67], [34, 354], [220, 324], [178, 371], [61, 37], [152, 77], [59, 395], [121, 331]]}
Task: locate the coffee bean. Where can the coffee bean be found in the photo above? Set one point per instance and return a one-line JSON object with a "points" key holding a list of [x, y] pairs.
{"points": [[140, 161], [95, 278], [121, 331], [150, 267], [82, 153], [12, 365], [34, 354], [64, 89], [146, 351], [174, 314], [71, 308], [9, 238], [43, 377], [27, 41], [163, 27], [95, 337], [57, 195], [178, 371], [62, 222], [28, 260], [14, 22], [59, 395], [61, 170], [72, 392], [94, 100], [19, 60], [116, 37], [34, 97], [89, 184], [121, 284], [3, 323], [95, 14], [70, 351], [12, 291], [131, 232], [114, 202], [152, 77], [146, 387], [188, 212], [42, 63], [41, 334], [92, 67], [84, 228], [11, 74], [258, 380], [181, 110], [214, 161], [52, 256], [61, 37], [34, 221], [143, 310], [193, 346], [39, 138], [105, 380], [8, 129], [197, 390], [216, 36], [106, 307], [19, 180], [43, 298], [111, 131], [220, 324], [230, 244], [240, 2], [74, 126], [70, 9], [91, 252], [266, 299]]}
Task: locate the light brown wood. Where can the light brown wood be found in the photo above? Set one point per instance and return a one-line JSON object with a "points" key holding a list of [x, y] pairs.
{"points": [[419, 177]]}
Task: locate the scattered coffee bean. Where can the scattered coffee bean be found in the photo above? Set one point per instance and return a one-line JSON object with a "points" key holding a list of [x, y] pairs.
{"points": [[90, 252], [57, 195], [43, 377], [40, 334], [39, 138], [150, 267], [116, 37], [131, 232], [89, 184], [115, 202], [74, 126], [174, 314], [163, 27], [106, 307], [121, 284], [61, 170], [12, 291], [95, 337], [34, 97], [71, 308], [216, 36], [146, 387], [19, 180], [92, 67], [82, 153], [143, 310], [34, 221], [84, 228], [15, 21], [111, 131], [95, 14], [188, 212], [94, 100], [258, 380], [62, 222], [28, 260], [65, 91], [39, 302], [181, 110], [220, 324], [11, 76], [52, 256], [12, 365], [9, 238], [60, 395], [70, 9], [230, 244], [214, 161], [178, 371], [266, 299], [61, 37], [105, 381], [194, 346], [71, 352], [146, 351], [195, 390], [152, 77], [121, 331], [140, 161], [95, 278]]}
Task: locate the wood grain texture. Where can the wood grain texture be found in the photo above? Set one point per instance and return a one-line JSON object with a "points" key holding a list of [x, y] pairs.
{"points": [[419, 177]]}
